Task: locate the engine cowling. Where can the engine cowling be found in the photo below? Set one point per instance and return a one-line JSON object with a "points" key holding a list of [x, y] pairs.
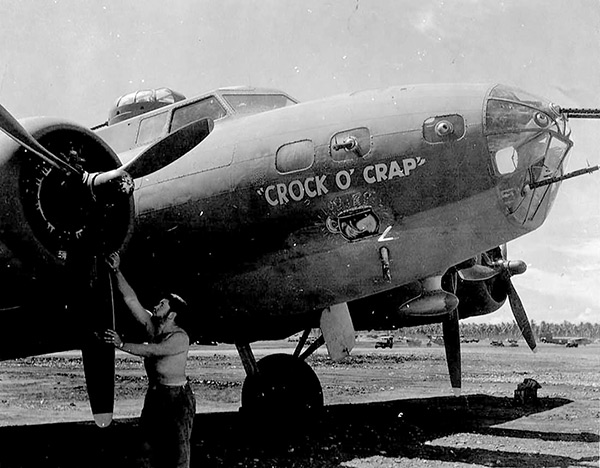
{"points": [[45, 215], [484, 296]]}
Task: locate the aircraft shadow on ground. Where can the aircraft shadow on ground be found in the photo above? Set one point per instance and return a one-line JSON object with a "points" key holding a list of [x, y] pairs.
{"points": [[399, 428]]}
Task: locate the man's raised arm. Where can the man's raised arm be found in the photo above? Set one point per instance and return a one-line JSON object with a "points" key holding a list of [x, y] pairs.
{"points": [[129, 295]]}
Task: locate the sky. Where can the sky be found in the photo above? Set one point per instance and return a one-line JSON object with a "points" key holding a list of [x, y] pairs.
{"points": [[73, 58]]}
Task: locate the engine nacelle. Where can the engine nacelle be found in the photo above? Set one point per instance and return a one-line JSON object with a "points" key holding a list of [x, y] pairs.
{"points": [[384, 312], [481, 297], [45, 215]]}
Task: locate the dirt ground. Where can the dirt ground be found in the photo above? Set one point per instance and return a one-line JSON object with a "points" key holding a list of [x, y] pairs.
{"points": [[384, 408]]}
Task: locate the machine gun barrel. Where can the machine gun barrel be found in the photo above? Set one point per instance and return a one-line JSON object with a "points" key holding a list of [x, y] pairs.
{"points": [[551, 180], [575, 113]]}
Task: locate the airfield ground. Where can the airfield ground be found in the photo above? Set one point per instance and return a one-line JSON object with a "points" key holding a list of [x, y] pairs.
{"points": [[384, 408]]}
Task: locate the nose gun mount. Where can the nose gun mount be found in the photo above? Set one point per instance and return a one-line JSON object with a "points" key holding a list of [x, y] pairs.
{"points": [[348, 144], [571, 113], [570, 175]]}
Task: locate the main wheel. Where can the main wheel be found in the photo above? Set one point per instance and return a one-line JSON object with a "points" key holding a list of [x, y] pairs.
{"points": [[284, 386]]}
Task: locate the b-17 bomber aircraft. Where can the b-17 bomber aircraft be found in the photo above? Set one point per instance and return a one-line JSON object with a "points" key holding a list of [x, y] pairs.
{"points": [[373, 210]]}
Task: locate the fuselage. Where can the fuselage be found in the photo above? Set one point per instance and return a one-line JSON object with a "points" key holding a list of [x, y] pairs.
{"points": [[285, 212]]}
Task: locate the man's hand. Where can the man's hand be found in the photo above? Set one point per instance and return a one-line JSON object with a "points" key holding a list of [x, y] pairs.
{"points": [[112, 337], [114, 261]]}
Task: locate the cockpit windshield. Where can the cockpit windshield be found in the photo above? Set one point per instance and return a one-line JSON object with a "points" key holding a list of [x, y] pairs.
{"points": [[255, 103]]}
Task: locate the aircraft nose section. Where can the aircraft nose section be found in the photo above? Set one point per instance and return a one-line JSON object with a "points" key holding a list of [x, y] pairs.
{"points": [[528, 140]]}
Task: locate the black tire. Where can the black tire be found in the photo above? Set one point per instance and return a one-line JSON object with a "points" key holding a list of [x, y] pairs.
{"points": [[285, 386]]}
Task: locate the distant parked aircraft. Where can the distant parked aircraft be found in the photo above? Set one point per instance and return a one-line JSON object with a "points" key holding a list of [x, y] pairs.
{"points": [[569, 342]]}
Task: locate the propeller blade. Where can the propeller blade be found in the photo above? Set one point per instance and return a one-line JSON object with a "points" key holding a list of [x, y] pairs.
{"points": [[520, 315], [12, 127], [477, 273], [93, 298], [452, 345], [169, 149], [99, 369]]}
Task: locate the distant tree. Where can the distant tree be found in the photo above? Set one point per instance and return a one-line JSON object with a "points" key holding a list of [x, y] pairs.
{"points": [[505, 330]]}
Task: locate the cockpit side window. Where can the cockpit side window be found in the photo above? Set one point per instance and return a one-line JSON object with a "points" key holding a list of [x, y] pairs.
{"points": [[206, 108], [245, 104], [152, 128]]}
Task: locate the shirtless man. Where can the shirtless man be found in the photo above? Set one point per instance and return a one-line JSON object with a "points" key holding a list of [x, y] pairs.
{"points": [[169, 406]]}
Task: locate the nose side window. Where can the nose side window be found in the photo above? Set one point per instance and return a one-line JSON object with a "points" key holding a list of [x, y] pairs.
{"points": [[512, 151], [507, 160], [295, 156]]}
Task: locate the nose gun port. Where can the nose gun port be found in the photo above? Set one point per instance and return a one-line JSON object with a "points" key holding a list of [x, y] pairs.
{"points": [[349, 144]]}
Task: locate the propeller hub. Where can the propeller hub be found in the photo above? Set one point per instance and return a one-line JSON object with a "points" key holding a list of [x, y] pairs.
{"points": [[516, 267], [107, 185], [513, 267]]}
